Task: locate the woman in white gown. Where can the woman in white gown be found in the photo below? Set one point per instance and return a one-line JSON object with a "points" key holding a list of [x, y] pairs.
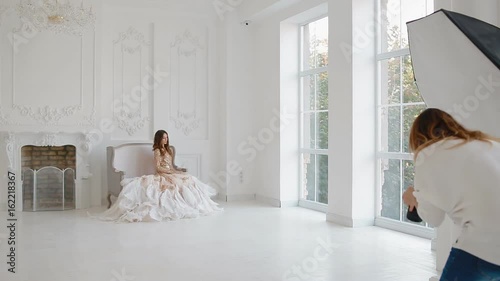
{"points": [[170, 194]]}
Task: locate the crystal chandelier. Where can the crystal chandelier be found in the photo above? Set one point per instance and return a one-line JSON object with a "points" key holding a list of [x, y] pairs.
{"points": [[57, 16]]}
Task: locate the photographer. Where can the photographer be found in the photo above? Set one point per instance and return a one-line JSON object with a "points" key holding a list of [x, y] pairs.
{"points": [[457, 173]]}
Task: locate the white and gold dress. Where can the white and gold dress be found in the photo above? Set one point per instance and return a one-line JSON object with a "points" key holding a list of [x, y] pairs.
{"points": [[168, 195]]}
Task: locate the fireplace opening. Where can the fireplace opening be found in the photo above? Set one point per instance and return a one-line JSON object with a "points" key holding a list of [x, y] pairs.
{"points": [[48, 177]]}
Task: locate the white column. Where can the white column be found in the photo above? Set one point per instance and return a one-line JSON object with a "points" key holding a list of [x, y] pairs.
{"points": [[289, 88], [340, 116], [351, 187]]}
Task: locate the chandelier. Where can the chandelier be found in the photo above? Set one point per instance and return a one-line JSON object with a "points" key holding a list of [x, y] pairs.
{"points": [[57, 16]]}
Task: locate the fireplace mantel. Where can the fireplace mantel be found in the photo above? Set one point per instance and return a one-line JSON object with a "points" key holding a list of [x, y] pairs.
{"points": [[14, 141]]}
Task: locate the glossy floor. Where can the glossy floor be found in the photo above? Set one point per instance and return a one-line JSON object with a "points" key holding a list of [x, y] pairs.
{"points": [[247, 242]]}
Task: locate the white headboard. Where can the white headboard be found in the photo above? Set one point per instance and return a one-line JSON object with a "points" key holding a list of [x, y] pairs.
{"points": [[133, 159], [127, 161]]}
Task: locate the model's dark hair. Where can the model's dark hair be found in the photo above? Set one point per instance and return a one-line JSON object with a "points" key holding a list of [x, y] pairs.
{"points": [[433, 125], [157, 142]]}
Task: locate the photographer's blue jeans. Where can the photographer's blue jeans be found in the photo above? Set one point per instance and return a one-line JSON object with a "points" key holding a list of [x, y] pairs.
{"points": [[462, 266]]}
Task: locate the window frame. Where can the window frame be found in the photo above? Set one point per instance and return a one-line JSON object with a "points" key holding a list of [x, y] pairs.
{"points": [[315, 205], [380, 155]]}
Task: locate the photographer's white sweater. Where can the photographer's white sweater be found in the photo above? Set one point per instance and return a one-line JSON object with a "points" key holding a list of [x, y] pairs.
{"points": [[462, 181]]}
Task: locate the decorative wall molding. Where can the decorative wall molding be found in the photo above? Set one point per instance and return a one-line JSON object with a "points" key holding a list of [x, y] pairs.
{"points": [[185, 127], [132, 34], [90, 119], [47, 115], [130, 123], [4, 11], [192, 162], [187, 43], [4, 118], [43, 114], [129, 113], [86, 142], [53, 115], [48, 139], [10, 141], [188, 85]]}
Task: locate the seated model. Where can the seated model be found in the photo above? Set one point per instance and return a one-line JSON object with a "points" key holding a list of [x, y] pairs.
{"points": [[169, 194]]}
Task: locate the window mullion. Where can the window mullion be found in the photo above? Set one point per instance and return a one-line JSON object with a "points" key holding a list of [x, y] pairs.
{"points": [[313, 71], [401, 180], [394, 155], [393, 54], [316, 178], [401, 97], [315, 106]]}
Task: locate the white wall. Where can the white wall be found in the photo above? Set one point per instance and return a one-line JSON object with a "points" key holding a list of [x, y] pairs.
{"points": [[352, 110], [241, 108], [134, 42], [351, 153], [267, 91], [289, 180], [274, 184], [487, 10], [252, 103]]}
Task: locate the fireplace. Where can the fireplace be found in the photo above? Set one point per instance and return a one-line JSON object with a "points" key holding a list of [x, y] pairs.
{"points": [[48, 177], [53, 171]]}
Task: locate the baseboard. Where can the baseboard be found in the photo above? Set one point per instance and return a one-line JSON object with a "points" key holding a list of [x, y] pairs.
{"points": [[347, 221], [240, 197], [433, 244], [268, 200], [313, 206], [222, 197], [289, 203], [407, 228]]}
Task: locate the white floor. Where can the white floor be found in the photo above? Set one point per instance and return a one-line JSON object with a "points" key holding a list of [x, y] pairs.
{"points": [[248, 241]]}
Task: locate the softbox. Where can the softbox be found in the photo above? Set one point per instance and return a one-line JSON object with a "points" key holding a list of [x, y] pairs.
{"points": [[456, 62]]}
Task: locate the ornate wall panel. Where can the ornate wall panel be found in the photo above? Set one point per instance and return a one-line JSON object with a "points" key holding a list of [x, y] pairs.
{"points": [[192, 162], [132, 84], [188, 84], [51, 78]]}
